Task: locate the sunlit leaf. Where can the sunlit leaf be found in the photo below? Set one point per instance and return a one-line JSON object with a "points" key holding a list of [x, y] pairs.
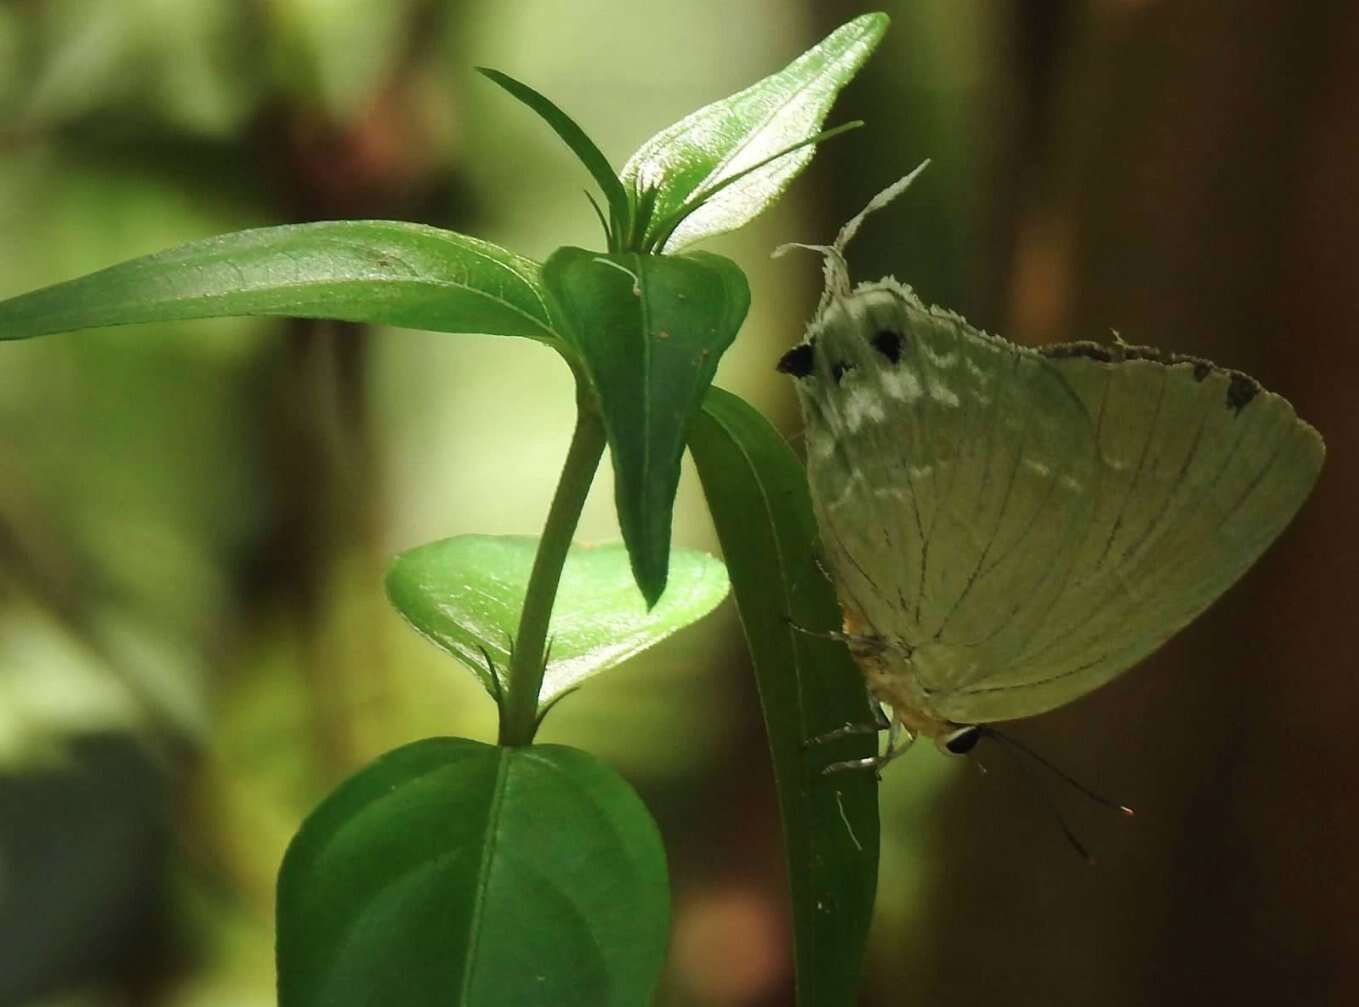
{"points": [[649, 331], [808, 685], [733, 134], [385, 272], [465, 594], [450, 873]]}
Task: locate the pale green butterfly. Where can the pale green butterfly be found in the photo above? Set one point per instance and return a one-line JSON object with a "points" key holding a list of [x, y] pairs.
{"points": [[1010, 528]]}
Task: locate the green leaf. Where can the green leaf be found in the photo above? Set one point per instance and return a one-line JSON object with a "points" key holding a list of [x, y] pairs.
{"points": [[731, 135], [660, 234], [450, 873], [385, 272], [465, 595], [620, 209], [809, 686], [649, 331]]}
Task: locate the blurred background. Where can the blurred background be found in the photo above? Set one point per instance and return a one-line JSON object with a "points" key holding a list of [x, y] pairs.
{"points": [[194, 519]]}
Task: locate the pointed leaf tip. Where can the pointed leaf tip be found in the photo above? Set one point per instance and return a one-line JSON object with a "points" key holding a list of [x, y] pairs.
{"points": [[379, 271], [585, 149], [730, 136], [649, 330]]}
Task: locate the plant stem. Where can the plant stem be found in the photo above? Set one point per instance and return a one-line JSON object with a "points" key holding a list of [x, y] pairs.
{"points": [[519, 713]]}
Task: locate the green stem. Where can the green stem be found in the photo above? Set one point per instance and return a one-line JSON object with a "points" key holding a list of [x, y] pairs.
{"points": [[519, 712]]}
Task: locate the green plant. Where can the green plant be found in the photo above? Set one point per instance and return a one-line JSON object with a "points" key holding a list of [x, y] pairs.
{"points": [[450, 871]]}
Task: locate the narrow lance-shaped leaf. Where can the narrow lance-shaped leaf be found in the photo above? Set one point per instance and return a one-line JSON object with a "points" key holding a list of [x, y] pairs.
{"points": [[383, 272], [808, 686], [649, 331], [580, 143], [450, 873], [465, 595], [731, 135]]}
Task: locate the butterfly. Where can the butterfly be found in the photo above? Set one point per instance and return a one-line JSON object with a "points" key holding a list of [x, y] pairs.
{"points": [[1008, 528]]}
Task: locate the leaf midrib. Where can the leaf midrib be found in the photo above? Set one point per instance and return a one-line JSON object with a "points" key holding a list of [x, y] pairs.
{"points": [[425, 282], [647, 361], [479, 897], [752, 135], [783, 579]]}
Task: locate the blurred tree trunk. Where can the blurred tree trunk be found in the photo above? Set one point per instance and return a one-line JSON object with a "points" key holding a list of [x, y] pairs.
{"points": [[1190, 180], [326, 506]]}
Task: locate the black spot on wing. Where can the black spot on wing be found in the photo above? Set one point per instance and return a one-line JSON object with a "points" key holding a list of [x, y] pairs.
{"points": [[1091, 351], [1153, 353], [1240, 391], [1118, 353], [888, 343], [798, 361]]}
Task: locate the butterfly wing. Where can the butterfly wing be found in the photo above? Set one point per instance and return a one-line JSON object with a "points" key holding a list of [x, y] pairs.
{"points": [[951, 476], [1028, 525], [1201, 469]]}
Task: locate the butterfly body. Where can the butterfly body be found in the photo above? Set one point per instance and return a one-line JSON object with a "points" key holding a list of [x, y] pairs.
{"points": [[1009, 528], [888, 670]]}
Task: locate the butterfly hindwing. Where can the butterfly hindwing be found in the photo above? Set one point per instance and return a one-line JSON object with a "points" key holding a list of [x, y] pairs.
{"points": [[1201, 469]]}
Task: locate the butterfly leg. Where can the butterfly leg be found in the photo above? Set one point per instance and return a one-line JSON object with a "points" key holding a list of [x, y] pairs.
{"points": [[820, 634], [896, 747], [850, 729]]}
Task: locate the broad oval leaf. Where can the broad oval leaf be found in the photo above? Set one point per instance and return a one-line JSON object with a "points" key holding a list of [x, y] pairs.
{"points": [[649, 331], [808, 684], [465, 594], [379, 271], [731, 135], [450, 873]]}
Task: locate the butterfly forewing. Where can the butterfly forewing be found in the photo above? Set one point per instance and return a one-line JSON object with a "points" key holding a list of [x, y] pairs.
{"points": [[940, 470]]}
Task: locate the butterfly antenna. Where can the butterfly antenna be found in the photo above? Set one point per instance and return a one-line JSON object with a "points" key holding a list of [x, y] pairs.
{"points": [[834, 269], [1065, 777], [834, 266], [1046, 798], [875, 204], [1071, 839]]}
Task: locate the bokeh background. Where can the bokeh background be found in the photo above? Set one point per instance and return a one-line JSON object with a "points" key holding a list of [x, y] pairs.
{"points": [[194, 519]]}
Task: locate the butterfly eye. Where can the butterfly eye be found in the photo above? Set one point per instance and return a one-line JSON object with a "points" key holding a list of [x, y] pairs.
{"points": [[962, 741]]}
